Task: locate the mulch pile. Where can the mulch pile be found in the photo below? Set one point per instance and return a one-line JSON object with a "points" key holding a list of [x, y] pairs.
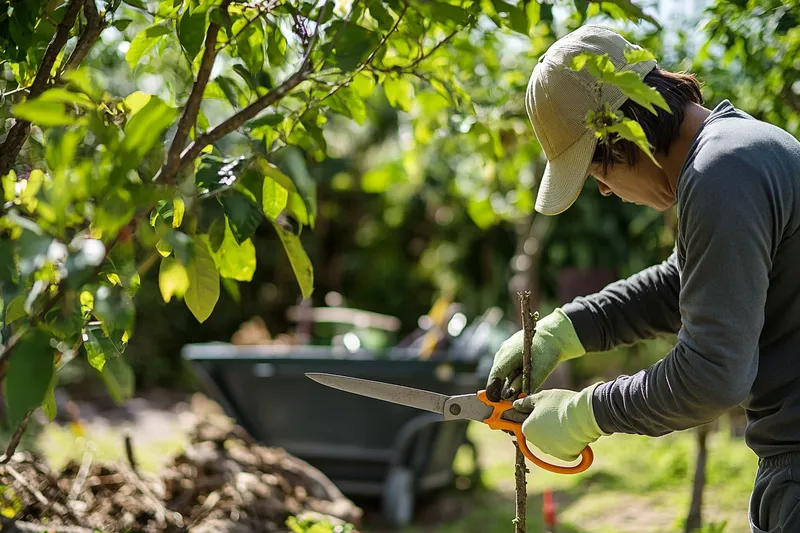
{"points": [[223, 482]]}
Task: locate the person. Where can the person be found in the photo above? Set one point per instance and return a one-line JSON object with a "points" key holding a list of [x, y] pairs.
{"points": [[730, 290]]}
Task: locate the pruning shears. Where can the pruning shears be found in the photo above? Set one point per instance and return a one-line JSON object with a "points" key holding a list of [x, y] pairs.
{"points": [[460, 407]]}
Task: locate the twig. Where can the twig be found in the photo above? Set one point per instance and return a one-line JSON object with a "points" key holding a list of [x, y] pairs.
{"points": [[95, 24], [33, 490], [83, 472], [404, 68], [15, 438], [192, 107], [18, 133], [520, 469], [12, 526], [237, 120], [261, 12], [129, 453]]}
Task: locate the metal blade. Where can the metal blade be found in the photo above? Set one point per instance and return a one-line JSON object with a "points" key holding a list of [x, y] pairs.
{"points": [[388, 392]]}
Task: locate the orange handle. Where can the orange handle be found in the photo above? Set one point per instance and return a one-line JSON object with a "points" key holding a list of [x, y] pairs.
{"points": [[496, 422]]}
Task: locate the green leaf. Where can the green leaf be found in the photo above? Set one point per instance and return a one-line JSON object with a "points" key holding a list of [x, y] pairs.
{"points": [[634, 11], [203, 292], [398, 92], [15, 309], [354, 45], [347, 102], [144, 41], [250, 45], [301, 264], [297, 207], [579, 61], [119, 379], [179, 243], [192, 31], [244, 215], [274, 198], [379, 12], [121, 24], [267, 119], [234, 260], [229, 88], [639, 55], [49, 407], [99, 348], [30, 371], [114, 307], [443, 12], [637, 90], [173, 280], [179, 210], [144, 130], [140, 4], [482, 213], [44, 113], [631, 130], [63, 96]]}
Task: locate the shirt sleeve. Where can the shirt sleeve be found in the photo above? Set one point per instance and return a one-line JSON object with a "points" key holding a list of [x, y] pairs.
{"points": [[728, 227], [640, 307]]}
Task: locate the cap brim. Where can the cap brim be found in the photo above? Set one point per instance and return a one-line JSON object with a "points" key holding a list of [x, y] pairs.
{"points": [[565, 175]]}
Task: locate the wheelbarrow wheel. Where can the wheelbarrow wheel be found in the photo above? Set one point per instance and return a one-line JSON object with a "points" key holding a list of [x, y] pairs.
{"points": [[399, 496]]}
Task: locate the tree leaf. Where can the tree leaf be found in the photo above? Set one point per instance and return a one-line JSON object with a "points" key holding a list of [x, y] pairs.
{"points": [[631, 130], [119, 379], [114, 307], [180, 244], [353, 45], [121, 24], [244, 215], [179, 208], [637, 90], [44, 113], [301, 264], [203, 292], [398, 92], [234, 260], [173, 280], [30, 371], [144, 41], [634, 55], [15, 309], [192, 31], [349, 104], [379, 12], [49, 407], [144, 130], [274, 198], [99, 348]]}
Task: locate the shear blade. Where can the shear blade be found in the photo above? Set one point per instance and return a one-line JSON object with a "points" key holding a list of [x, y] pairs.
{"points": [[388, 392]]}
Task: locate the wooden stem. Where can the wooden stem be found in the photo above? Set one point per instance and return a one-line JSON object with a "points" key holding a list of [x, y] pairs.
{"points": [[520, 468]]}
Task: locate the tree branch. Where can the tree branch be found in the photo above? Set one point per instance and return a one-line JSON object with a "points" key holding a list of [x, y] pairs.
{"points": [[261, 12], [15, 438], [18, 133], [237, 120], [405, 68], [95, 24], [192, 108]]}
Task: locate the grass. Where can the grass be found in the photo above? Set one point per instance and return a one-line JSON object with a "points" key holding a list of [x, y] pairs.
{"points": [[636, 484]]}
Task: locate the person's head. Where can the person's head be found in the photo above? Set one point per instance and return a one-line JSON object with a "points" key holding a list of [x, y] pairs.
{"points": [[557, 101]]}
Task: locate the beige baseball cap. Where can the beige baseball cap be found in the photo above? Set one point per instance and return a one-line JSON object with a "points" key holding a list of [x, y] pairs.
{"points": [[557, 100]]}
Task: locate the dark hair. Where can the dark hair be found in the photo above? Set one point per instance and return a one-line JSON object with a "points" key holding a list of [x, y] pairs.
{"points": [[678, 89]]}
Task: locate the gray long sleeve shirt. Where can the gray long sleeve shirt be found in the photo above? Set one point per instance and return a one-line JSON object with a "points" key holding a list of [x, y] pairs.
{"points": [[730, 291]]}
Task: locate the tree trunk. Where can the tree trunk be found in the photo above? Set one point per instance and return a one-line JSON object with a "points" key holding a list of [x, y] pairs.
{"points": [[695, 520]]}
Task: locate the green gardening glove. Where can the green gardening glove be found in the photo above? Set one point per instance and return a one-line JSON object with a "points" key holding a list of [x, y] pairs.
{"points": [[561, 423], [554, 341]]}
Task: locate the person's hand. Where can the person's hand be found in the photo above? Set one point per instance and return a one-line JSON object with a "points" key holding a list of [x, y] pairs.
{"points": [[554, 341], [561, 423]]}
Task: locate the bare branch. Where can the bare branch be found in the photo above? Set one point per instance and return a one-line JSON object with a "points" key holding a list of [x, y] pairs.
{"points": [[15, 438], [241, 117], [18, 133], [95, 24], [192, 107], [403, 69]]}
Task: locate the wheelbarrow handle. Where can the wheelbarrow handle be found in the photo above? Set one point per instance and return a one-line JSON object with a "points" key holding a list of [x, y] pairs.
{"points": [[495, 421]]}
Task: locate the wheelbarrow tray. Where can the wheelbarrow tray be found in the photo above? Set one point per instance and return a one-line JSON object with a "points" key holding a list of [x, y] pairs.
{"points": [[355, 441]]}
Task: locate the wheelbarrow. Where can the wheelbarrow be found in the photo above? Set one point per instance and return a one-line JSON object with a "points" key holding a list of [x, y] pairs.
{"points": [[366, 447]]}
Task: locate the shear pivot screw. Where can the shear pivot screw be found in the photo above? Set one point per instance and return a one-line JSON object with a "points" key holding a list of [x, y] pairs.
{"points": [[455, 409]]}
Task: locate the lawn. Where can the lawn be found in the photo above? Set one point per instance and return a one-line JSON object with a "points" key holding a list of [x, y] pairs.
{"points": [[636, 484]]}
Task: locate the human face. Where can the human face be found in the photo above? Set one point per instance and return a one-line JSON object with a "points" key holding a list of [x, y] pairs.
{"points": [[643, 184]]}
